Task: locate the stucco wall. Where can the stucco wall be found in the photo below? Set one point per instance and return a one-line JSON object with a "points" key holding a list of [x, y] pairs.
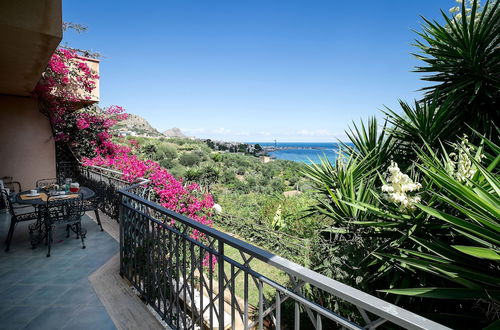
{"points": [[27, 150]]}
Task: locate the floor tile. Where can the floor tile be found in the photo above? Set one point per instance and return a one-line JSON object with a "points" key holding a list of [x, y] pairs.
{"points": [[17, 317], [90, 317], [77, 295], [51, 318], [45, 295], [17, 292]]}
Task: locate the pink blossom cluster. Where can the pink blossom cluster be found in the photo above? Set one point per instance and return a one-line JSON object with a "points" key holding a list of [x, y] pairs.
{"points": [[65, 76], [168, 191]]}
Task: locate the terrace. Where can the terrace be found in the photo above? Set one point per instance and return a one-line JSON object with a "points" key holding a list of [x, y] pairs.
{"points": [[152, 250], [49, 293], [150, 263]]}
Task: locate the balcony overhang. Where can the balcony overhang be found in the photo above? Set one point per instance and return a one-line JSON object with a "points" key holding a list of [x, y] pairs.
{"points": [[29, 33]]}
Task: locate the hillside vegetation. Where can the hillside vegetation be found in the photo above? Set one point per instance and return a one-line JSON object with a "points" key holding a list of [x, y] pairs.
{"points": [[246, 188]]}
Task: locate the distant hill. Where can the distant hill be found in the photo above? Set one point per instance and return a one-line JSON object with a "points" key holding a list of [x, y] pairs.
{"points": [[174, 132], [135, 125]]}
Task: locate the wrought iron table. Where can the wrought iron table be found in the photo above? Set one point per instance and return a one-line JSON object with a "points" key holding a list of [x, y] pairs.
{"points": [[39, 203]]}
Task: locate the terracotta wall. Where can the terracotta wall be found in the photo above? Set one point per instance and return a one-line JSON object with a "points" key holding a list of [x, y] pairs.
{"points": [[27, 150]]}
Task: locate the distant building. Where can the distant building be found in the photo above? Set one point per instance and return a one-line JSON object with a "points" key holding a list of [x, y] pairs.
{"points": [[126, 133], [265, 159]]}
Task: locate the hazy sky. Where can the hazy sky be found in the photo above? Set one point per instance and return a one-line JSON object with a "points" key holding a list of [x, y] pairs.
{"points": [[254, 70]]}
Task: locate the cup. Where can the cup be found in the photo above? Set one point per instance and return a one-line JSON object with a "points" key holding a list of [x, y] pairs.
{"points": [[74, 187], [33, 192]]}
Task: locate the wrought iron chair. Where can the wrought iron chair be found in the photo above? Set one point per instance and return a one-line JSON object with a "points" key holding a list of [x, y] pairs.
{"points": [[96, 202], [15, 187], [66, 212], [9, 182], [16, 217]]}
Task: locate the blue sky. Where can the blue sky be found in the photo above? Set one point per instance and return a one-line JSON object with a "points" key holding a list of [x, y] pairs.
{"points": [[254, 70]]}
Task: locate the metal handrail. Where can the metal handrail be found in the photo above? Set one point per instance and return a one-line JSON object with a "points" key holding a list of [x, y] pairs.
{"points": [[362, 300], [140, 181], [359, 298]]}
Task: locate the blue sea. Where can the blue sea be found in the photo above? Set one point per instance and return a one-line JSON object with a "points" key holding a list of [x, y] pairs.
{"points": [[303, 152]]}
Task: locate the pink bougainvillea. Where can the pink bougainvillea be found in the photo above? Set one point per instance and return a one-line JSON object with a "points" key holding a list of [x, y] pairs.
{"points": [[168, 191], [87, 132]]}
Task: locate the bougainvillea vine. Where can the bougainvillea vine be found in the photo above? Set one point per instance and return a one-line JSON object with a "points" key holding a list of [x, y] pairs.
{"points": [[68, 80]]}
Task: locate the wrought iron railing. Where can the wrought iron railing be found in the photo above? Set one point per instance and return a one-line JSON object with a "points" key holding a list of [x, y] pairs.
{"points": [[190, 275], [196, 277], [291, 247], [92, 176]]}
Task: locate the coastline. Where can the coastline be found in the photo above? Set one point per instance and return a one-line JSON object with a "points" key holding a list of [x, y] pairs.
{"points": [[301, 152]]}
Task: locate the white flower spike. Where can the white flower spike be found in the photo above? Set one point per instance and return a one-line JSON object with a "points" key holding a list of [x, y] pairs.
{"points": [[398, 186]]}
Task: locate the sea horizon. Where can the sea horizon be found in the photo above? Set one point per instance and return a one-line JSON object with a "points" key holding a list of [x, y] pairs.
{"points": [[304, 152]]}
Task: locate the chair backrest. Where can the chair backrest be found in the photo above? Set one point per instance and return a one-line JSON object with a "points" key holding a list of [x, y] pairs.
{"points": [[45, 182], [64, 210], [14, 186], [9, 182], [6, 199]]}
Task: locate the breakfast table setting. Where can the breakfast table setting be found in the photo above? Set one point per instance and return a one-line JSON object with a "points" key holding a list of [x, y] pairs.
{"points": [[52, 199], [41, 195]]}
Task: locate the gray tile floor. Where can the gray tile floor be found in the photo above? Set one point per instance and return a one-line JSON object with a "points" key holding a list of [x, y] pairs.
{"points": [[37, 292]]}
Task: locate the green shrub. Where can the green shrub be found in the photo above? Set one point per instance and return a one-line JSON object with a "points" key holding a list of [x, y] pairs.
{"points": [[189, 159], [177, 170], [460, 239], [166, 163], [169, 150], [216, 157]]}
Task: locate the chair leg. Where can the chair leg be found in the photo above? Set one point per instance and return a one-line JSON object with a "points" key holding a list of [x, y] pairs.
{"points": [[82, 234], [49, 239], [9, 235], [98, 218], [37, 226]]}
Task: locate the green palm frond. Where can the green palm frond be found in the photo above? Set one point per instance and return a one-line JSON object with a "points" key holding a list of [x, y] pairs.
{"points": [[351, 180], [427, 122], [371, 142], [463, 60]]}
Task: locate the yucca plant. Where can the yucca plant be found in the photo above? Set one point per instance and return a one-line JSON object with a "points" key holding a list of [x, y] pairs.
{"points": [[349, 179], [341, 250], [463, 257], [426, 122], [446, 244], [371, 142], [463, 60]]}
